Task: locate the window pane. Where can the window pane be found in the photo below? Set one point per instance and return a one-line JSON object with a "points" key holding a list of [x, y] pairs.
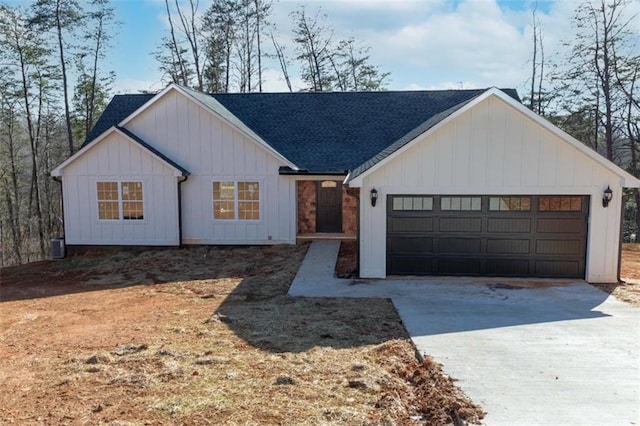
{"points": [[557, 204], [576, 204], [455, 203], [407, 203], [445, 203], [223, 210], [108, 210], [248, 191], [249, 200], [417, 203], [223, 191], [328, 184], [132, 191], [412, 203], [525, 204], [494, 203], [476, 203], [108, 200], [224, 200], [465, 204], [427, 203], [132, 210]]}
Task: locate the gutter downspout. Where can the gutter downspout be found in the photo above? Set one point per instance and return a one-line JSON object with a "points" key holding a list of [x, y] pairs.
{"points": [[59, 180], [621, 236], [180, 182]]}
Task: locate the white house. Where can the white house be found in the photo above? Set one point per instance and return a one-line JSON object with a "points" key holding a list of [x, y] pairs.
{"points": [[454, 182]]}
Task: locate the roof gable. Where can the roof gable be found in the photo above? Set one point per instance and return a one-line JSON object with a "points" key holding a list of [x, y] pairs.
{"points": [[177, 169], [438, 121], [208, 103]]}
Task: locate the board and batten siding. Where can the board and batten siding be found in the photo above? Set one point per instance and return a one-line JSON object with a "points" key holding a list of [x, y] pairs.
{"points": [[213, 150], [116, 158], [493, 148]]}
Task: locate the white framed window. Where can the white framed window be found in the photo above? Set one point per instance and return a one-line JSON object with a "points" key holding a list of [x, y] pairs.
{"points": [[236, 200], [120, 200]]}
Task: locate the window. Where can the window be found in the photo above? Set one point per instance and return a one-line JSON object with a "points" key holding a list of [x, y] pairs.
{"points": [[412, 203], [510, 204], [236, 200], [461, 203], [120, 200], [560, 204]]}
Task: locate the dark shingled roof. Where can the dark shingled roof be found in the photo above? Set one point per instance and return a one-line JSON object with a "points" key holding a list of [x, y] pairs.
{"points": [[327, 132], [120, 107]]}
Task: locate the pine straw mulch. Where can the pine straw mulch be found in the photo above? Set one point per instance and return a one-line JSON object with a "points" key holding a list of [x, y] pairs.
{"points": [[206, 335]]}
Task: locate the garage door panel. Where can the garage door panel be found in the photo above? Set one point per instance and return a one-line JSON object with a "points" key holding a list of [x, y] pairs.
{"points": [[507, 225], [460, 224], [502, 246], [410, 265], [515, 267], [545, 237], [459, 245], [410, 245], [558, 247], [411, 224], [560, 225], [459, 266], [557, 269]]}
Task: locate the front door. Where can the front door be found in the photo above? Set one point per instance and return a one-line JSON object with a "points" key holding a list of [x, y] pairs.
{"points": [[329, 210]]}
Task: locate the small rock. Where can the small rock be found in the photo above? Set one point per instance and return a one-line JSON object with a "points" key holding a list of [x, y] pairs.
{"points": [[358, 367], [96, 409], [129, 349], [98, 359], [357, 384], [165, 352], [206, 360], [285, 380], [93, 369], [221, 318]]}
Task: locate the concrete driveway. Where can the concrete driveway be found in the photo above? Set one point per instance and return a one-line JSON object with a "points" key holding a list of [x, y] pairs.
{"points": [[544, 353]]}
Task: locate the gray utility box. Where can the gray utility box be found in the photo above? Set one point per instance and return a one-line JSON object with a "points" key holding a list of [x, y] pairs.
{"points": [[57, 248]]}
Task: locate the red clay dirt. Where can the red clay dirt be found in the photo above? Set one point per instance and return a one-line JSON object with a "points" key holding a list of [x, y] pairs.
{"points": [[205, 336]]}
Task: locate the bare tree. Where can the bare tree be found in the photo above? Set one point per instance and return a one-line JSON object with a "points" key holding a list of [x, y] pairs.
{"points": [[282, 60], [596, 51], [60, 16], [313, 45]]}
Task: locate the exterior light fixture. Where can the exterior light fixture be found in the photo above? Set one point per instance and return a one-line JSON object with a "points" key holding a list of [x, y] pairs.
{"points": [[607, 196], [374, 197]]}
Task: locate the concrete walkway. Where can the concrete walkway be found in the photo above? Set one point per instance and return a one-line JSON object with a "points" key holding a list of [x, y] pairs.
{"points": [[552, 353]]}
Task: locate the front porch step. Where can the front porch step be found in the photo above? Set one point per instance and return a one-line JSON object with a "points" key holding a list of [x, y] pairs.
{"points": [[325, 236]]}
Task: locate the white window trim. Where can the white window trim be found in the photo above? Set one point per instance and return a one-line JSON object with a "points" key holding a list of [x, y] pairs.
{"points": [[261, 189], [120, 201]]}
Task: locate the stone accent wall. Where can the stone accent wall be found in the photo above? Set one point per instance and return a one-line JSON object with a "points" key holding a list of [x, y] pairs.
{"points": [[350, 210], [306, 207]]}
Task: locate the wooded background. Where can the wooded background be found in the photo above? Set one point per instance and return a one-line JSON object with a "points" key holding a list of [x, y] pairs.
{"points": [[54, 86]]}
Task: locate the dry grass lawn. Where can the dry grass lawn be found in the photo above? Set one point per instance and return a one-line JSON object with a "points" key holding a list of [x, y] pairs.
{"points": [[205, 336]]}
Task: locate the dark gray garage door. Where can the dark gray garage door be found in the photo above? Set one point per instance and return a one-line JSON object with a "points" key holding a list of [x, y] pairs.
{"points": [[516, 235]]}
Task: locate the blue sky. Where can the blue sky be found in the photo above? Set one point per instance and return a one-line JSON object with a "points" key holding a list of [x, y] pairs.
{"points": [[424, 44]]}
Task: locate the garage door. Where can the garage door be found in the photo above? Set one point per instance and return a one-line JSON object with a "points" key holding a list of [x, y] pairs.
{"points": [[516, 235]]}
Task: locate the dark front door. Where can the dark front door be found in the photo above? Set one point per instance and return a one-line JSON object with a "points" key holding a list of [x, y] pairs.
{"points": [[329, 210]]}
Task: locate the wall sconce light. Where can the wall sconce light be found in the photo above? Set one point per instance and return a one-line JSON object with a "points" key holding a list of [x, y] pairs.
{"points": [[607, 196], [374, 197]]}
